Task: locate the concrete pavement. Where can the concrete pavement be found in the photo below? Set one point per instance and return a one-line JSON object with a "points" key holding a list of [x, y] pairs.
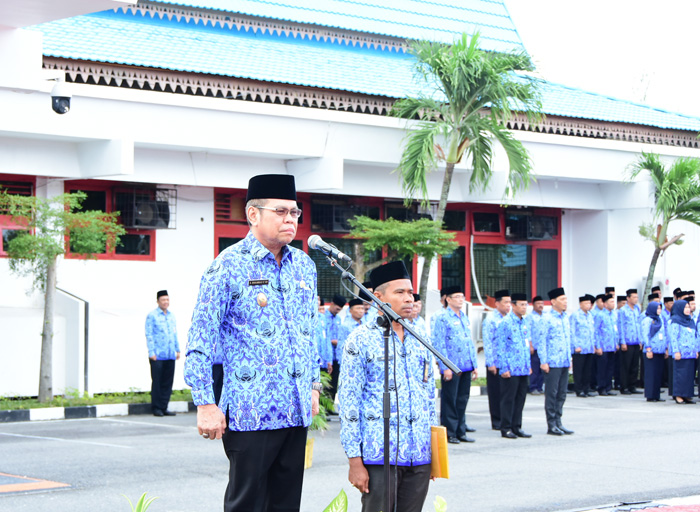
{"points": [[624, 449]]}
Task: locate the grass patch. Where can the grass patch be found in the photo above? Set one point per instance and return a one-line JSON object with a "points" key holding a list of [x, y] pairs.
{"points": [[72, 399]]}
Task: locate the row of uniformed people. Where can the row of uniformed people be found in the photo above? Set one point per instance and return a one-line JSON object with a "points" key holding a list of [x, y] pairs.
{"points": [[634, 336]]}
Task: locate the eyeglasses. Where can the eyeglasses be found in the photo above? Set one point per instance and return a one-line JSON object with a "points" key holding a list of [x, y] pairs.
{"points": [[282, 212]]}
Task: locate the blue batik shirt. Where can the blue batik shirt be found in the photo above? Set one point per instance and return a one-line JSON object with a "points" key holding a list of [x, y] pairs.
{"points": [[605, 331], [434, 318], [370, 316], [323, 344], [682, 339], [628, 322], [582, 327], [658, 343], [555, 349], [534, 327], [264, 315], [488, 335], [361, 386], [161, 335], [332, 323], [514, 344], [346, 327], [419, 325], [452, 337]]}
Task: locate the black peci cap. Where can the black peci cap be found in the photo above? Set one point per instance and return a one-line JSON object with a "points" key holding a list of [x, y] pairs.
{"points": [[271, 186], [557, 292], [389, 272]]}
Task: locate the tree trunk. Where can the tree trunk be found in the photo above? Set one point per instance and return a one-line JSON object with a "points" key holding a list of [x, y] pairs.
{"points": [[650, 278], [45, 371], [439, 216]]}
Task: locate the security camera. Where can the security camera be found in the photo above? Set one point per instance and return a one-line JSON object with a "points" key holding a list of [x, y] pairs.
{"points": [[60, 98]]}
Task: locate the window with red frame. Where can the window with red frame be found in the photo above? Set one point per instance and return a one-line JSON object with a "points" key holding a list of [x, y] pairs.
{"points": [[136, 244], [9, 229], [515, 248]]}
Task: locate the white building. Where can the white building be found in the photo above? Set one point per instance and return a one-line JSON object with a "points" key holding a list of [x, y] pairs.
{"points": [[176, 105]]}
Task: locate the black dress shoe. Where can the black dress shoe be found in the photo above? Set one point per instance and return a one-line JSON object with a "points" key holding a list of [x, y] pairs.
{"points": [[581, 395], [625, 392], [453, 440], [555, 432], [521, 433], [466, 439], [590, 393], [495, 427], [158, 413], [169, 413], [508, 434], [635, 391], [689, 400], [611, 393], [566, 430], [469, 429]]}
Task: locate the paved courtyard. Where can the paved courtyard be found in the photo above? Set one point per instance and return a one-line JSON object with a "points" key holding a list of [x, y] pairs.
{"points": [[624, 449]]}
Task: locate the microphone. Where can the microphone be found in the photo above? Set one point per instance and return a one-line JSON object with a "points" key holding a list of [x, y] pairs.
{"points": [[316, 242]]}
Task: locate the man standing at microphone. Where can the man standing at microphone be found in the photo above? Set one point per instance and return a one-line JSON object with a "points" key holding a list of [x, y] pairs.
{"points": [[258, 301], [412, 402]]}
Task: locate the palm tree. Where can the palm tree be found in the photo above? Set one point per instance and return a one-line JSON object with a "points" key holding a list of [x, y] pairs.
{"points": [[474, 94], [676, 197]]}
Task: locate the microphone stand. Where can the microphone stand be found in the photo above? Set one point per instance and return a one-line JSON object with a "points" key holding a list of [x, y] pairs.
{"points": [[385, 322]]}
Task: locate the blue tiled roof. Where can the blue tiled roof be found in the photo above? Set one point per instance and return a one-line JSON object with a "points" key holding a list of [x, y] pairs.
{"points": [[433, 20], [154, 42], [561, 100]]}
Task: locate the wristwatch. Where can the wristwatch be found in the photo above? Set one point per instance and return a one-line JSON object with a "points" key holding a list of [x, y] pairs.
{"points": [[317, 386]]}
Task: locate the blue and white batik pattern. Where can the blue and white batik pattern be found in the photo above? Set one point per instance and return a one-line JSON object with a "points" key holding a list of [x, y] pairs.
{"points": [[535, 327], [628, 324], [605, 331], [361, 386], [346, 327], [332, 323], [582, 328], [555, 349], [682, 339], [514, 345], [452, 337], [488, 335], [264, 315], [659, 342], [161, 335], [323, 344]]}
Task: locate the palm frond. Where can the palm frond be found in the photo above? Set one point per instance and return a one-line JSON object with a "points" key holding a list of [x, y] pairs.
{"points": [[418, 160]]}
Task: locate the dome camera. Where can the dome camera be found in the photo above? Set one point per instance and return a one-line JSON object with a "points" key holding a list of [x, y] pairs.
{"points": [[60, 98]]}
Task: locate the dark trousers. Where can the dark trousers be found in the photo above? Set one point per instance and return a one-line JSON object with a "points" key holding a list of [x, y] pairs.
{"points": [[616, 368], [683, 378], [556, 383], [653, 373], [513, 394], [583, 367], [412, 488], [333, 389], [594, 372], [493, 388], [606, 368], [162, 372], [266, 470], [537, 376], [217, 375], [670, 374], [453, 403], [629, 367]]}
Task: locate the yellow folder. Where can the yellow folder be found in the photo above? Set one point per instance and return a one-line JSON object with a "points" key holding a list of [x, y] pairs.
{"points": [[439, 465]]}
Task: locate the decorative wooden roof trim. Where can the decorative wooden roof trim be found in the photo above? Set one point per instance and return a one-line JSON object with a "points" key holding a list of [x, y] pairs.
{"points": [[273, 26], [112, 75]]}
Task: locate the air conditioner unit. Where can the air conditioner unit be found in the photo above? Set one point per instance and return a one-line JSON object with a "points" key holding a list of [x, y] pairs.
{"points": [[140, 210]]}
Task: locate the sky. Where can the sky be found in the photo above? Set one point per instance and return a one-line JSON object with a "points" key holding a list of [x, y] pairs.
{"points": [[639, 50]]}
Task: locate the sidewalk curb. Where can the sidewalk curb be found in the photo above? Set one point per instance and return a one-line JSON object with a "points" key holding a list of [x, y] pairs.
{"points": [[87, 411]]}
